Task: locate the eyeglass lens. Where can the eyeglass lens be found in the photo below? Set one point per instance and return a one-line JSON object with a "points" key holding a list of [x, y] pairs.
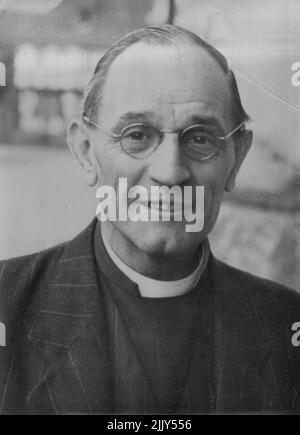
{"points": [[199, 142]]}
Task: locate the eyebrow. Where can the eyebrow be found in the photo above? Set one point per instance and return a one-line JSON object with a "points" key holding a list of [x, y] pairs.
{"points": [[206, 120], [132, 117], [143, 117]]}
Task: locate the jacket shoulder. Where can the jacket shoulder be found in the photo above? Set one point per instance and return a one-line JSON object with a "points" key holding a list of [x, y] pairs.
{"points": [[28, 266], [20, 276], [24, 280], [264, 293]]}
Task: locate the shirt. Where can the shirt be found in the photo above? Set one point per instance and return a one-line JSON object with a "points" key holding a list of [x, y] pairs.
{"points": [[162, 332]]}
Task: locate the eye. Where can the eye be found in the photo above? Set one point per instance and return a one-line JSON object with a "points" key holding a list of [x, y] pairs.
{"points": [[136, 135], [200, 142], [137, 139], [200, 139]]}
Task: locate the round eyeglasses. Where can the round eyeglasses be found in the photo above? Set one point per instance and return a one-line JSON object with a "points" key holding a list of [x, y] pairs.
{"points": [[139, 140]]}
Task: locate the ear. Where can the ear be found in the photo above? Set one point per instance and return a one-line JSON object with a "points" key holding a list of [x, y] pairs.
{"points": [[241, 147], [81, 148]]}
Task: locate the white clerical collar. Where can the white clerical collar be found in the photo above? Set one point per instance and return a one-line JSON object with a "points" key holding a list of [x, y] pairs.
{"points": [[152, 288]]}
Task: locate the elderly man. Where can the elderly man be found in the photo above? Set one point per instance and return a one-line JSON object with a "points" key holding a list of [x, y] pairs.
{"points": [[137, 316]]}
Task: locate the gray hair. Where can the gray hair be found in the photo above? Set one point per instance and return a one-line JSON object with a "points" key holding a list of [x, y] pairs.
{"points": [[166, 35]]}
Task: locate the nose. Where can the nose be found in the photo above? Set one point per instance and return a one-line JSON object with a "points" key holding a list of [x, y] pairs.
{"points": [[167, 166]]}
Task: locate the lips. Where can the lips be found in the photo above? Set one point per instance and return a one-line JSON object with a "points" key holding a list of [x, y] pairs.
{"points": [[165, 211], [165, 206], [169, 206]]}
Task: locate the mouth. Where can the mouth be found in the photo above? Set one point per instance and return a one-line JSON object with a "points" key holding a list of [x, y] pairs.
{"points": [[165, 209], [164, 206]]}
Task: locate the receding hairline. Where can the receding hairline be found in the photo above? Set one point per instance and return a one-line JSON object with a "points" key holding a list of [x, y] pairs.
{"points": [[177, 48], [164, 36], [164, 62]]}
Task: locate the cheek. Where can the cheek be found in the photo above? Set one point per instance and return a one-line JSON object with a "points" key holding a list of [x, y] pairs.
{"points": [[213, 176], [114, 164]]}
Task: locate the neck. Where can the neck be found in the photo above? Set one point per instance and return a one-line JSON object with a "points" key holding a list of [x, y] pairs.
{"points": [[159, 267]]}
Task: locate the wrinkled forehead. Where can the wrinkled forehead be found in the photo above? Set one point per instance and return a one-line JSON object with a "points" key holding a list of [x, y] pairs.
{"points": [[145, 78]]}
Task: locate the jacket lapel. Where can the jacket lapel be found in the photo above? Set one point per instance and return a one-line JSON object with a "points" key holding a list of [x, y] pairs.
{"points": [[245, 376], [232, 367], [70, 334]]}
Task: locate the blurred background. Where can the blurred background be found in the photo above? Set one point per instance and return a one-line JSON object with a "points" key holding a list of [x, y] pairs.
{"points": [[50, 48]]}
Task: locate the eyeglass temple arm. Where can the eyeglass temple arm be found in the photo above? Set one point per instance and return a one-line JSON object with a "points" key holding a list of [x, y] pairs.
{"points": [[234, 131], [109, 133]]}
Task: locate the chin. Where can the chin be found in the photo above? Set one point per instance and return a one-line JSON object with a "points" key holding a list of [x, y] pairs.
{"points": [[163, 238]]}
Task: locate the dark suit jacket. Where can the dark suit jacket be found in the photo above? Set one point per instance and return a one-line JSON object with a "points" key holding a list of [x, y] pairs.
{"points": [[57, 358]]}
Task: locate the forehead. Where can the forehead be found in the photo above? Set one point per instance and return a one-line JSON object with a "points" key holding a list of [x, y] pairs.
{"points": [[161, 80]]}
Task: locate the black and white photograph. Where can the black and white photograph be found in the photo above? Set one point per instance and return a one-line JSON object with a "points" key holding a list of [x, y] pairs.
{"points": [[149, 210]]}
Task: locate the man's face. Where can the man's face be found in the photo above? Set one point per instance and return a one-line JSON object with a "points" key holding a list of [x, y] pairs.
{"points": [[171, 89]]}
